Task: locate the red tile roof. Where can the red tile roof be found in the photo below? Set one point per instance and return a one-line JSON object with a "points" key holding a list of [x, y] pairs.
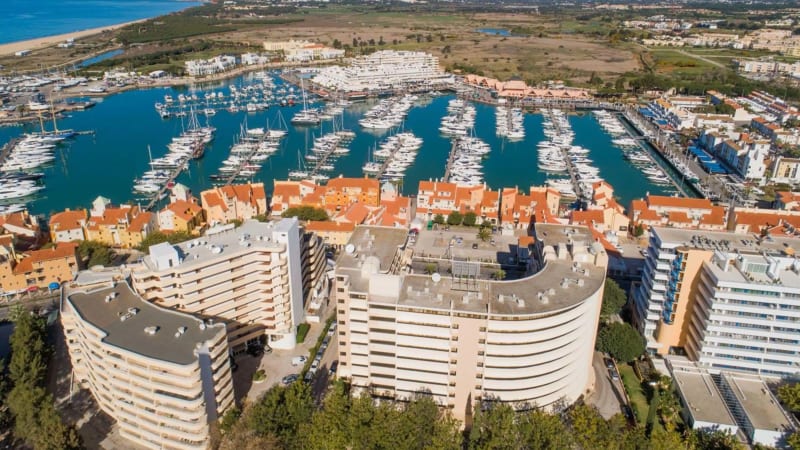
{"points": [[68, 220]]}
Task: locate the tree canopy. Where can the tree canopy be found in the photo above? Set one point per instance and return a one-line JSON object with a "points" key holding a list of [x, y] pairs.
{"points": [[157, 237], [306, 212], [455, 218], [613, 299], [36, 421], [621, 341], [95, 253]]}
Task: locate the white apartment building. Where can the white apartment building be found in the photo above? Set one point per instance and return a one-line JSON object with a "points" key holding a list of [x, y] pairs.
{"points": [[459, 335], [728, 301], [385, 69], [217, 64], [164, 376], [250, 277], [746, 158]]}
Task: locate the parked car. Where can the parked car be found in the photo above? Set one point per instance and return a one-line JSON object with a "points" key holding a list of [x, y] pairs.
{"points": [[334, 366], [609, 363], [289, 379], [299, 360], [614, 374]]}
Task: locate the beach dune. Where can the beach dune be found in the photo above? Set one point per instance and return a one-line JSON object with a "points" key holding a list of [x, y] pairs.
{"points": [[49, 41]]}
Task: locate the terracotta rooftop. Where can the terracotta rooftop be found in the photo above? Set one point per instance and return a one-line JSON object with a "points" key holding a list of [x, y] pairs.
{"points": [[138, 222], [678, 202], [59, 251], [183, 209], [68, 220], [330, 226]]}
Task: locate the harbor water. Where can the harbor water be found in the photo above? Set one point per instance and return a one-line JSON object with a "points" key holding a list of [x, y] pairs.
{"points": [[107, 162]]}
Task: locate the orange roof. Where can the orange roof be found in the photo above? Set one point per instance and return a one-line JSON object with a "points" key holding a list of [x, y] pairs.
{"points": [[649, 215], [679, 217], [20, 219], [364, 184], [678, 202], [715, 217], [68, 220], [59, 251], [356, 213], [766, 218], [525, 241], [212, 199], [138, 222], [330, 226], [183, 209], [587, 217], [286, 189], [111, 216], [788, 197]]}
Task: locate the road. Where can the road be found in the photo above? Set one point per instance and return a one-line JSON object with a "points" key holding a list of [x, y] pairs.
{"points": [[702, 58], [605, 397]]}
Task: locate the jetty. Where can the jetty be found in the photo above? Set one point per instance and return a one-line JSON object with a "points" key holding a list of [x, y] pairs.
{"points": [[450, 159], [153, 201]]}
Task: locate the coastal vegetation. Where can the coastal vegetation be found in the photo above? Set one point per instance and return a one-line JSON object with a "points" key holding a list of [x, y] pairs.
{"points": [[306, 213], [157, 237], [36, 422], [286, 417], [93, 253], [614, 299]]}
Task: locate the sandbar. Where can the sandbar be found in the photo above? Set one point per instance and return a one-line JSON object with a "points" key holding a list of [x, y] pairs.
{"points": [[49, 41]]}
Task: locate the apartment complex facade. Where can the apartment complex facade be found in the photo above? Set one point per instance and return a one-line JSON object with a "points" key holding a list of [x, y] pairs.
{"points": [[729, 302], [234, 202], [164, 376], [250, 277], [35, 269], [467, 338]]}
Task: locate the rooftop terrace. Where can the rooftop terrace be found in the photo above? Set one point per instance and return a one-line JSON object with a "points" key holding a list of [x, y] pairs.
{"points": [[133, 324], [388, 262]]}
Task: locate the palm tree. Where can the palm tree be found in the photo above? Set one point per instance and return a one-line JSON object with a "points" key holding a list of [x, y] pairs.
{"points": [[484, 234]]}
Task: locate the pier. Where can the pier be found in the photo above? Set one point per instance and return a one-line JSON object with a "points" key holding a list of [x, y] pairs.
{"points": [[167, 186], [685, 187], [576, 185], [450, 159], [321, 161], [6, 150]]}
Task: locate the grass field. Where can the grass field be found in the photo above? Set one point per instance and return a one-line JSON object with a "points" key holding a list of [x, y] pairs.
{"points": [[553, 46], [635, 392]]}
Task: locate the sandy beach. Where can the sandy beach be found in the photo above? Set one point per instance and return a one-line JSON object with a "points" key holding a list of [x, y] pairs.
{"points": [[49, 41]]}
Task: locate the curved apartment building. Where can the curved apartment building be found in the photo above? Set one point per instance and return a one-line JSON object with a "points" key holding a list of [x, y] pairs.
{"points": [[461, 335], [162, 375]]}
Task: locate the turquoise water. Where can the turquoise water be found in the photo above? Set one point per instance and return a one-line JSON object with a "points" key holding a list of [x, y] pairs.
{"points": [[29, 19], [494, 31], [126, 124], [100, 57]]}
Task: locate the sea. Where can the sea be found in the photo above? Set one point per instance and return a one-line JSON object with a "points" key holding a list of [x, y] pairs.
{"points": [[29, 19], [126, 124]]}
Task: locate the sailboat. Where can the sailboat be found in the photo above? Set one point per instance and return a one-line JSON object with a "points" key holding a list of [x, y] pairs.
{"points": [[306, 116], [298, 174]]}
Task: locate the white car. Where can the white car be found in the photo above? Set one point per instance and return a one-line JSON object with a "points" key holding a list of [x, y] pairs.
{"points": [[299, 360]]}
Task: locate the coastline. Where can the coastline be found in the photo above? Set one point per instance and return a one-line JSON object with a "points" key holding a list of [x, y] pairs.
{"points": [[49, 41]]}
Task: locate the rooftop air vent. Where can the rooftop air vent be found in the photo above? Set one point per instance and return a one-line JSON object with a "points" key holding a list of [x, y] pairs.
{"points": [[180, 332], [151, 330]]}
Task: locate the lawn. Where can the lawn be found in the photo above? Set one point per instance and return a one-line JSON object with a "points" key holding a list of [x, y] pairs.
{"points": [[635, 392]]}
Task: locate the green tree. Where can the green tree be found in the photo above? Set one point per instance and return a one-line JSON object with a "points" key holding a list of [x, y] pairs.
{"points": [[484, 234], [95, 253], [455, 218], [157, 237], [590, 430], [36, 421], [499, 274], [539, 430], [306, 213], [621, 341], [430, 268], [329, 427], [789, 394], [281, 411], [613, 299], [230, 419], [438, 219], [704, 439], [794, 440], [470, 219], [494, 428]]}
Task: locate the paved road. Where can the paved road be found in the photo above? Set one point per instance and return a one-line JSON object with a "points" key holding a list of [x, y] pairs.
{"points": [[605, 397], [702, 58]]}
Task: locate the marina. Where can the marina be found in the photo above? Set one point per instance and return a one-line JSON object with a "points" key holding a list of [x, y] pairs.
{"points": [[108, 162]]}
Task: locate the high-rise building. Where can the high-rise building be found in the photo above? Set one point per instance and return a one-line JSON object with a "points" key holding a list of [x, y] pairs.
{"points": [[164, 376], [441, 312], [728, 301], [250, 277]]}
